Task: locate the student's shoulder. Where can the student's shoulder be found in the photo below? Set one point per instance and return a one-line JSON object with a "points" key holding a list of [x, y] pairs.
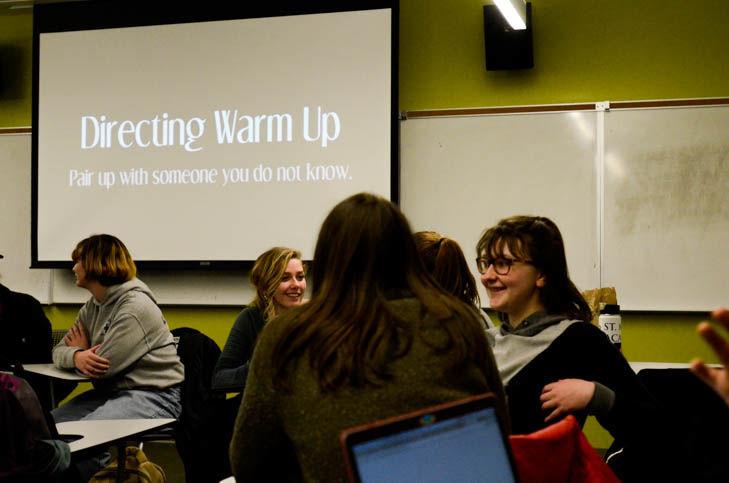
{"points": [[20, 299], [585, 334], [250, 314]]}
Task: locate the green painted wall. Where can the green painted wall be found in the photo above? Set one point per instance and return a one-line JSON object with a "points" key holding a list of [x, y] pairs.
{"points": [[585, 50], [16, 65]]}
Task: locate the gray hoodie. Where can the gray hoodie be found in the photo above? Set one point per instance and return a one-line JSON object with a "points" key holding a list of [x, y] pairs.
{"points": [[134, 337]]}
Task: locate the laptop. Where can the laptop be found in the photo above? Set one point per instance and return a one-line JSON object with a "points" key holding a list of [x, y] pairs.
{"points": [[458, 441]]}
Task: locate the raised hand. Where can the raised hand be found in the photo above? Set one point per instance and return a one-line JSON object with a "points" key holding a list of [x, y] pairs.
{"points": [[718, 379], [90, 363], [566, 396]]}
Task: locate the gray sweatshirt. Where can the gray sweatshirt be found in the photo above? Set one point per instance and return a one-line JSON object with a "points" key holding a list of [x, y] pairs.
{"points": [[134, 337]]}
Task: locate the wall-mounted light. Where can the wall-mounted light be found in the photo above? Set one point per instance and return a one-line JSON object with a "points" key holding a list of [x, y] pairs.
{"points": [[508, 47], [514, 11]]}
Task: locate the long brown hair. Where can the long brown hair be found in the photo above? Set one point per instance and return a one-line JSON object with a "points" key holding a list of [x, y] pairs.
{"points": [[538, 239], [365, 255], [266, 275], [445, 261]]}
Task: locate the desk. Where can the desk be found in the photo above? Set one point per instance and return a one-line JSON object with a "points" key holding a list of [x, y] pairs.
{"points": [[102, 432], [639, 366], [52, 372], [96, 433]]}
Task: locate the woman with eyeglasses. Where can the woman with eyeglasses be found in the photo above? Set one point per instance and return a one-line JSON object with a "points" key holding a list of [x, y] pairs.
{"points": [[551, 360]]}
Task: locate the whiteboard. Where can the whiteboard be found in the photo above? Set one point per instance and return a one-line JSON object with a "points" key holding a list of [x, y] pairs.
{"points": [[666, 237], [461, 175]]}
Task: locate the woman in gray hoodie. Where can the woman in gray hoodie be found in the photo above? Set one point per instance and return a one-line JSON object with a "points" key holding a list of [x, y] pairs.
{"points": [[121, 341]]}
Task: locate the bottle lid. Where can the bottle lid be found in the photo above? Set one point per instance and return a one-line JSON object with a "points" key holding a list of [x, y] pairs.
{"points": [[611, 309]]}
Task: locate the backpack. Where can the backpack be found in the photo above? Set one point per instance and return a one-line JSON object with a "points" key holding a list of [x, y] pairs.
{"points": [[138, 468]]}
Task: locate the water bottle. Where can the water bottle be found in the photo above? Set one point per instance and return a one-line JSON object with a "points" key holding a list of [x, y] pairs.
{"points": [[609, 321]]}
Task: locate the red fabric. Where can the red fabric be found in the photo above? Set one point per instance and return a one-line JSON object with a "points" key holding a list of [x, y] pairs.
{"points": [[559, 453]]}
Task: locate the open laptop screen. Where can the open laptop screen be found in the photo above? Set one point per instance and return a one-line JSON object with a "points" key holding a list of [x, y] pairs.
{"points": [[464, 447]]}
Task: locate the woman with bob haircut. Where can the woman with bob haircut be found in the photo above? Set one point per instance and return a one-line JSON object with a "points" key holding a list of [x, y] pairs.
{"points": [[121, 341], [444, 260], [279, 278], [552, 362], [378, 338]]}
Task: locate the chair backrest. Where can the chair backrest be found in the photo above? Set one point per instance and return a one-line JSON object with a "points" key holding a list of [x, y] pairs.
{"points": [[697, 423], [203, 452], [559, 453]]}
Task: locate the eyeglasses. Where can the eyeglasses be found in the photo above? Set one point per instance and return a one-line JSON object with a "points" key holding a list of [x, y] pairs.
{"points": [[502, 266]]}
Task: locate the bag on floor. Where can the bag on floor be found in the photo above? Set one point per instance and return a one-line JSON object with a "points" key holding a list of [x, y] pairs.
{"points": [[138, 469]]}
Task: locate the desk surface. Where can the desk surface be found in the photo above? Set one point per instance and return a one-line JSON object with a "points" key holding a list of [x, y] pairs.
{"points": [[50, 370], [639, 366], [103, 432]]}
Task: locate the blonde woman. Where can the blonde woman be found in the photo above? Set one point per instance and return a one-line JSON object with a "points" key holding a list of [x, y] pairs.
{"points": [[280, 281]]}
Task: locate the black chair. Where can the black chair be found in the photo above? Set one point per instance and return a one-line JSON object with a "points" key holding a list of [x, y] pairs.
{"points": [[200, 431], [699, 422], [696, 424]]}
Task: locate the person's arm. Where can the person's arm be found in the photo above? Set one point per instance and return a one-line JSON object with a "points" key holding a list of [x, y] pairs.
{"points": [[232, 367], [130, 333], [568, 396], [590, 358], [259, 447], [63, 352], [634, 416], [717, 379]]}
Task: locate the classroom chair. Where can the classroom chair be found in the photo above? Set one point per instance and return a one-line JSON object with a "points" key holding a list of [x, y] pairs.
{"points": [[199, 435]]}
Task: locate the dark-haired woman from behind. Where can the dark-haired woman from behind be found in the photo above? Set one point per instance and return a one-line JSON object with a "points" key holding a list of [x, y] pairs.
{"points": [[552, 361], [378, 338], [444, 260]]}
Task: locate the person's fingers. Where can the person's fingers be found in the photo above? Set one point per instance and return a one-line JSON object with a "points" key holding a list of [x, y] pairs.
{"points": [[715, 340], [97, 358], [98, 362], [553, 415], [97, 366], [702, 371], [722, 316]]}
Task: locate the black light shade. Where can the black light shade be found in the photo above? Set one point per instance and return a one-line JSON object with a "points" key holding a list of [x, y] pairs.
{"points": [[506, 48]]}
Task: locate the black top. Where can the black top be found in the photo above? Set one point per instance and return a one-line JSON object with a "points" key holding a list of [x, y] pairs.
{"points": [[582, 351], [26, 329], [231, 370]]}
